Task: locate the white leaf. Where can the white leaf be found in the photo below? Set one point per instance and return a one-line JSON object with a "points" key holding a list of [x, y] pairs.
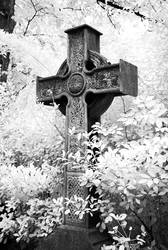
{"points": [[121, 247]]}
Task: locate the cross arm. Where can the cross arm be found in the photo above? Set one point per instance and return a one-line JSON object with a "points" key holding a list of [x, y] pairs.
{"points": [[118, 78], [50, 88]]}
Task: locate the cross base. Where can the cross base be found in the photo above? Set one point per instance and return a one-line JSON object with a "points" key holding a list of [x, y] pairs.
{"points": [[74, 238]]}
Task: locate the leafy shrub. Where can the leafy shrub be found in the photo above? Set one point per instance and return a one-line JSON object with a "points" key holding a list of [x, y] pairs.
{"points": [[131, 174], [127, 165], [28, 208]]}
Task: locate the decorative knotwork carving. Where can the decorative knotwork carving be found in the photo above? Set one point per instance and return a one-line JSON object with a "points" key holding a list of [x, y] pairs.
{"points": [[77, 51], [76, 84], [74, 188], [51, 87], [103, 78], [77, 113]]}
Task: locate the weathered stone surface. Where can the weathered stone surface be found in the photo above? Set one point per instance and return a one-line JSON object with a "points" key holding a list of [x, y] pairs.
{"points": [[84, 86]]}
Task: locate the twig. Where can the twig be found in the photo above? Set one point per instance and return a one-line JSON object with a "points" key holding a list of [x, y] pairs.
{"points": [[31, 19], [109, 17], [55, 125], [125, 128], [59, 131], [152, 6], [28, 23], [149, 231], [70, 8]]}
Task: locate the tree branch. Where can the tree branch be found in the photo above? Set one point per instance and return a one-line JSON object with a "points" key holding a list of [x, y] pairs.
{"points": [[119, 7], [124, 109], [59, 131], [70, 8], [28, 23], [31, 19]]}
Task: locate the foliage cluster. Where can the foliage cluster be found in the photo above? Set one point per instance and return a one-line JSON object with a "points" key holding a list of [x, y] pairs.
{"points": [[29, 203], [131, 175]]}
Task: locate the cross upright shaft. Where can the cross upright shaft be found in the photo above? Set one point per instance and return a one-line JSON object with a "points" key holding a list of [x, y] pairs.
{"points": [[81, 39], [85, 71]]}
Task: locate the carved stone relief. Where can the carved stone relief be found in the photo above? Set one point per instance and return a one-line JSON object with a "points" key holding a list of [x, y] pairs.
{"points": [[77, 77], [74, 188], [76, 52]]}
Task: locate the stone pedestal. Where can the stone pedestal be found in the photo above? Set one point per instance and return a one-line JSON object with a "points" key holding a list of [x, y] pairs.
{"points": [[74, 238]]}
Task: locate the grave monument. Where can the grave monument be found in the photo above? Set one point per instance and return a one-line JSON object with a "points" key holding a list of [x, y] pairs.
{"points": [[84, 88]]}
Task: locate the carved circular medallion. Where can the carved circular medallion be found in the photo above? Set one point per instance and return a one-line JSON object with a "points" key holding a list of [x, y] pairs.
{"points": [[76, 84]]}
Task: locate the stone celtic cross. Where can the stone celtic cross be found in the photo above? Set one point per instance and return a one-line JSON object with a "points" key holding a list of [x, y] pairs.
{"points": [[84, 88]]}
